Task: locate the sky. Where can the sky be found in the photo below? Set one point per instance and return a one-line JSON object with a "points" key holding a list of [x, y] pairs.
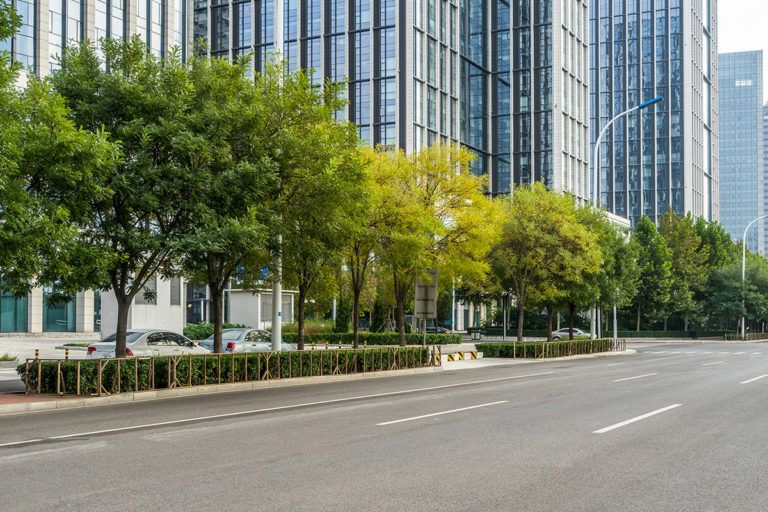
{"points": [[743, 27]]}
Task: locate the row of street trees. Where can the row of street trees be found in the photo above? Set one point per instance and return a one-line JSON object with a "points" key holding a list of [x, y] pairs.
{"points": [[121, 166]]}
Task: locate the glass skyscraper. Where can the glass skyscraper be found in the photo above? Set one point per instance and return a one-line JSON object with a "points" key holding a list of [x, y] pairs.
{"points": [[423, 71], [742, 172], [48, 26], [665, 157]]}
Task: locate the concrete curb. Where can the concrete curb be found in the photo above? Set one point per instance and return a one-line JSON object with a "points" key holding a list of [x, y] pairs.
{"points": [[160, 394]]}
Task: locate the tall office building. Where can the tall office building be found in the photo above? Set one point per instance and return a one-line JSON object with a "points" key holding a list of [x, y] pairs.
{"points": [[742, 172], [48, 26], [665, 157], [765, 162], [507, 81], [549, 95]]}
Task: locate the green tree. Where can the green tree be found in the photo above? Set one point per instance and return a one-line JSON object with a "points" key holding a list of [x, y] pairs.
{"points": [[231, 233], [689, 257], [615, 282], [730, 300], [146, 106], [310, 149], [544, 251], [50, 169], [655, 267], [444, 221]]}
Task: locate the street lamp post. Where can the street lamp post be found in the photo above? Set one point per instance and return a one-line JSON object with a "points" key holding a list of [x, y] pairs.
{"points": [[596, 180], [744, 276]]}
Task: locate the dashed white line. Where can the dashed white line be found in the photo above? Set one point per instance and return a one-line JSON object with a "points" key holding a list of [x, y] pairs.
{"points": [[615, 364], [756, 353], [739, 353], [636, 418], [663, 358], [413, 418], [270, 409], [753, 380], [710, 364], [637, 377]]}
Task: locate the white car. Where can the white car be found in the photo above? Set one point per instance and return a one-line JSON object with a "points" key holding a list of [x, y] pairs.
{"points": [[562, 334], [147, 342]]}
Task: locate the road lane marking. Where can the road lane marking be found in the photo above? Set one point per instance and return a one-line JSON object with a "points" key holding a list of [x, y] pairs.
{"points": [[753, 380], [85, 447], [413, 418], [710, 364], [663, 358], [615, 364], [270, 409], [635, 419], [739, 353], [638, 377], [755, 353]]}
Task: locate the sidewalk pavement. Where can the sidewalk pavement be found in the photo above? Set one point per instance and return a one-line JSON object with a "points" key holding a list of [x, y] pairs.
{"points": [[24, 347]]}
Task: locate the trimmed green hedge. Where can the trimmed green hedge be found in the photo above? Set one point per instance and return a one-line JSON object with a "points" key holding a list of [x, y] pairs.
{"points": [[539, 350], [672, 334], [375, 338], [204, 330], [137, 374]]}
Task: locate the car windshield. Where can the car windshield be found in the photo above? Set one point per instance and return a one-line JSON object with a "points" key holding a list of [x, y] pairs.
{"points": [[130, 337]]}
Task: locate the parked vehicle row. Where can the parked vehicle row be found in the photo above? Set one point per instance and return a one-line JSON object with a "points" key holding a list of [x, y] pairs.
{"points": [[154, 342]]}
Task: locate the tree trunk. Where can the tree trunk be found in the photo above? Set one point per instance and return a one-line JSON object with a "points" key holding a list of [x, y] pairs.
{"points": [[571, 319], [520, 320], [686, 324], [300, 336], [665, 325], [123, 307], [355, 314], [550, 314], [638, 318], [217, 302]]}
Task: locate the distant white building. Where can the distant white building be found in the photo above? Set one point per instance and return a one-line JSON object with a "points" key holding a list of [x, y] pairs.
{"points": [[253, 309], [161, 308]]}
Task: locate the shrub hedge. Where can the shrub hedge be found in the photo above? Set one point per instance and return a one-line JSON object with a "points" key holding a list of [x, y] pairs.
{"points": [[204, 330], [138, 374], [545, 349], [375, 338]]}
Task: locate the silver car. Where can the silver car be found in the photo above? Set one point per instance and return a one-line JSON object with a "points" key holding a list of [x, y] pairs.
{"points": [[243, 339], [562, 334], [146, 342]]}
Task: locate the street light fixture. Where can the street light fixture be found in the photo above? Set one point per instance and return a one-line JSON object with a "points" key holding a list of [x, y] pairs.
{"points": [[744, 275], [596, 180]]}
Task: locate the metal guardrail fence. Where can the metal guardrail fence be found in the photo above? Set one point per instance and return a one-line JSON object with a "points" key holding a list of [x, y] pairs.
{"points": [[146, 373], [550, 349]]}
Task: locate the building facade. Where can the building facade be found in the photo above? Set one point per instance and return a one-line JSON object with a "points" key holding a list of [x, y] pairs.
{"points": [[49, 26], [488, 74], [742, 170], [665, 157]]}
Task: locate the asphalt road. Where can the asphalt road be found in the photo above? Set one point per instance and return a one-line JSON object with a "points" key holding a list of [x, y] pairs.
{"points": [[671, 428]]}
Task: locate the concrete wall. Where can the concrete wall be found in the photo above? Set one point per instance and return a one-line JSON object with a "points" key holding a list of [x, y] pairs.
{"points": [[245, 308], [161, 315]]}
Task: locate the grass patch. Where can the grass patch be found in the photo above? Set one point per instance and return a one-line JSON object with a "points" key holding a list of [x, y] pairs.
{"points": [[7, 357]]}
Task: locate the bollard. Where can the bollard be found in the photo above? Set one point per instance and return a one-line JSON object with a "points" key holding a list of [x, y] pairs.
{"points": [[66, 354], [37, 354]]}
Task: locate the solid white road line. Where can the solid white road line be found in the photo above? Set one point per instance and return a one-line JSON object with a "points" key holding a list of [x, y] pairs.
{"points": [[710, 364], [637, 418], [271, 409], [24, 455], [638, 377], [753, 380], [439, 413]]}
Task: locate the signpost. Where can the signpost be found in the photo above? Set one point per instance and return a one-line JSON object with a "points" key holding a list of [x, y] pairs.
{"points": [[425, 305]]}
